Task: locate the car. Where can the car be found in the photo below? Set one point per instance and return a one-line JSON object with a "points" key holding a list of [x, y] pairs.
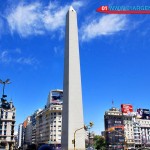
{"points": [[45, 147]]}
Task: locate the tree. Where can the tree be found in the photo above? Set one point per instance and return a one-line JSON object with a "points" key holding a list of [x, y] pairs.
{"points": [[99, 142]]}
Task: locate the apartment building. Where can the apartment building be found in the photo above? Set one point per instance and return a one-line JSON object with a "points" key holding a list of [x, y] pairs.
{"points": [[49, 120], [33, 123], [135, 127], [142, 133], [7, 123], [44, 126], [129, 131], [115, 139], [48, 127], [20, 136]]}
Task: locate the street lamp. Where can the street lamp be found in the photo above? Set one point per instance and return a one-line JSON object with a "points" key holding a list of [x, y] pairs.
{"points": [[85, 128], [4, 83]]}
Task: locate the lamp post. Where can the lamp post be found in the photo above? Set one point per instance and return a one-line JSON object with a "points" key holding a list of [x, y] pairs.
{"points": [[4, 83], [85, 128]]}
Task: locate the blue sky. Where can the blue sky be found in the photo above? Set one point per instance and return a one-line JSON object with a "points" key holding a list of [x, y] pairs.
{"points": [[114, 53]]}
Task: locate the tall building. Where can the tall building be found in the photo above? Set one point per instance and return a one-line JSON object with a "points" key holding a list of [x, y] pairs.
{"points": [[133, 128], [20, 136], [27, 132], [33, 122], [72, 100], [142, 129], [115, 139], [128, 131], [49, 121], [7, 123], [48, 127]]}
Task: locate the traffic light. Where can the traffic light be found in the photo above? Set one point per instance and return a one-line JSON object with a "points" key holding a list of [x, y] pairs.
{"points": [[73, 141], [91, 124]]}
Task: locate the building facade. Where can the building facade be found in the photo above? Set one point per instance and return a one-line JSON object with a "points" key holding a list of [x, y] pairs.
{"points": [[48, 127], [49, 121], [45, 125], [115, 139], [133, 128], [142, 133], [20, 136], [7, 123], [33, 123]]}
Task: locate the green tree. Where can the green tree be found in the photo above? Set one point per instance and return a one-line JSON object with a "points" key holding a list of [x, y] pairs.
{"points": [[99, 142]]}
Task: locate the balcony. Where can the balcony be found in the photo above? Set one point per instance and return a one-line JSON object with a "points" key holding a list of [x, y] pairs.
{"points": [[7, 119]]}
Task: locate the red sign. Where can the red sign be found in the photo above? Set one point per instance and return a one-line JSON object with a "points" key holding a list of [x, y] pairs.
{"points": [[126, 108]]}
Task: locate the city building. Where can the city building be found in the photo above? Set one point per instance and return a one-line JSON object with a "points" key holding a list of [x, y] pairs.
{"points": [[33, 122], [20, 136], [142, 129], [7, 123], [114, 139], [128, 128], [128, 116], [49, 121], [28, 132]]}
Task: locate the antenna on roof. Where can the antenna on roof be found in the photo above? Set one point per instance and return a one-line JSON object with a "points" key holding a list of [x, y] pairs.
{"points": [[112, 103]]}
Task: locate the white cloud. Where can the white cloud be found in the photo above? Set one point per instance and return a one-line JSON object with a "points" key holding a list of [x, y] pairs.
{"points": [[35, 19], [4, 57], [106, 25], [25, 19], [8, 57], [27, 61], [58, 51]]}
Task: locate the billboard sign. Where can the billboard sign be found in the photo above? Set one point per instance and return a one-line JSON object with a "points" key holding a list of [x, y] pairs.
{"points": [[57, 97], [146, 114], [143, 113], [126, 108]]}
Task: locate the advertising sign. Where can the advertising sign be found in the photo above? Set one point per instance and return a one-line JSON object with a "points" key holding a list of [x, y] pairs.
{"points": [[146, 114], [126, 108], [143, 113], [57, 97], [139, 113]]}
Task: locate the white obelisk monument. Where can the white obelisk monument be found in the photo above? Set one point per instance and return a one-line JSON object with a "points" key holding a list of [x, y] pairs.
{"points": [[72, 116]]}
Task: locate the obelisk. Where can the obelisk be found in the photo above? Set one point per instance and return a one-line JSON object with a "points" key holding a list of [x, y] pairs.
{"points": [[72, 115]]}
